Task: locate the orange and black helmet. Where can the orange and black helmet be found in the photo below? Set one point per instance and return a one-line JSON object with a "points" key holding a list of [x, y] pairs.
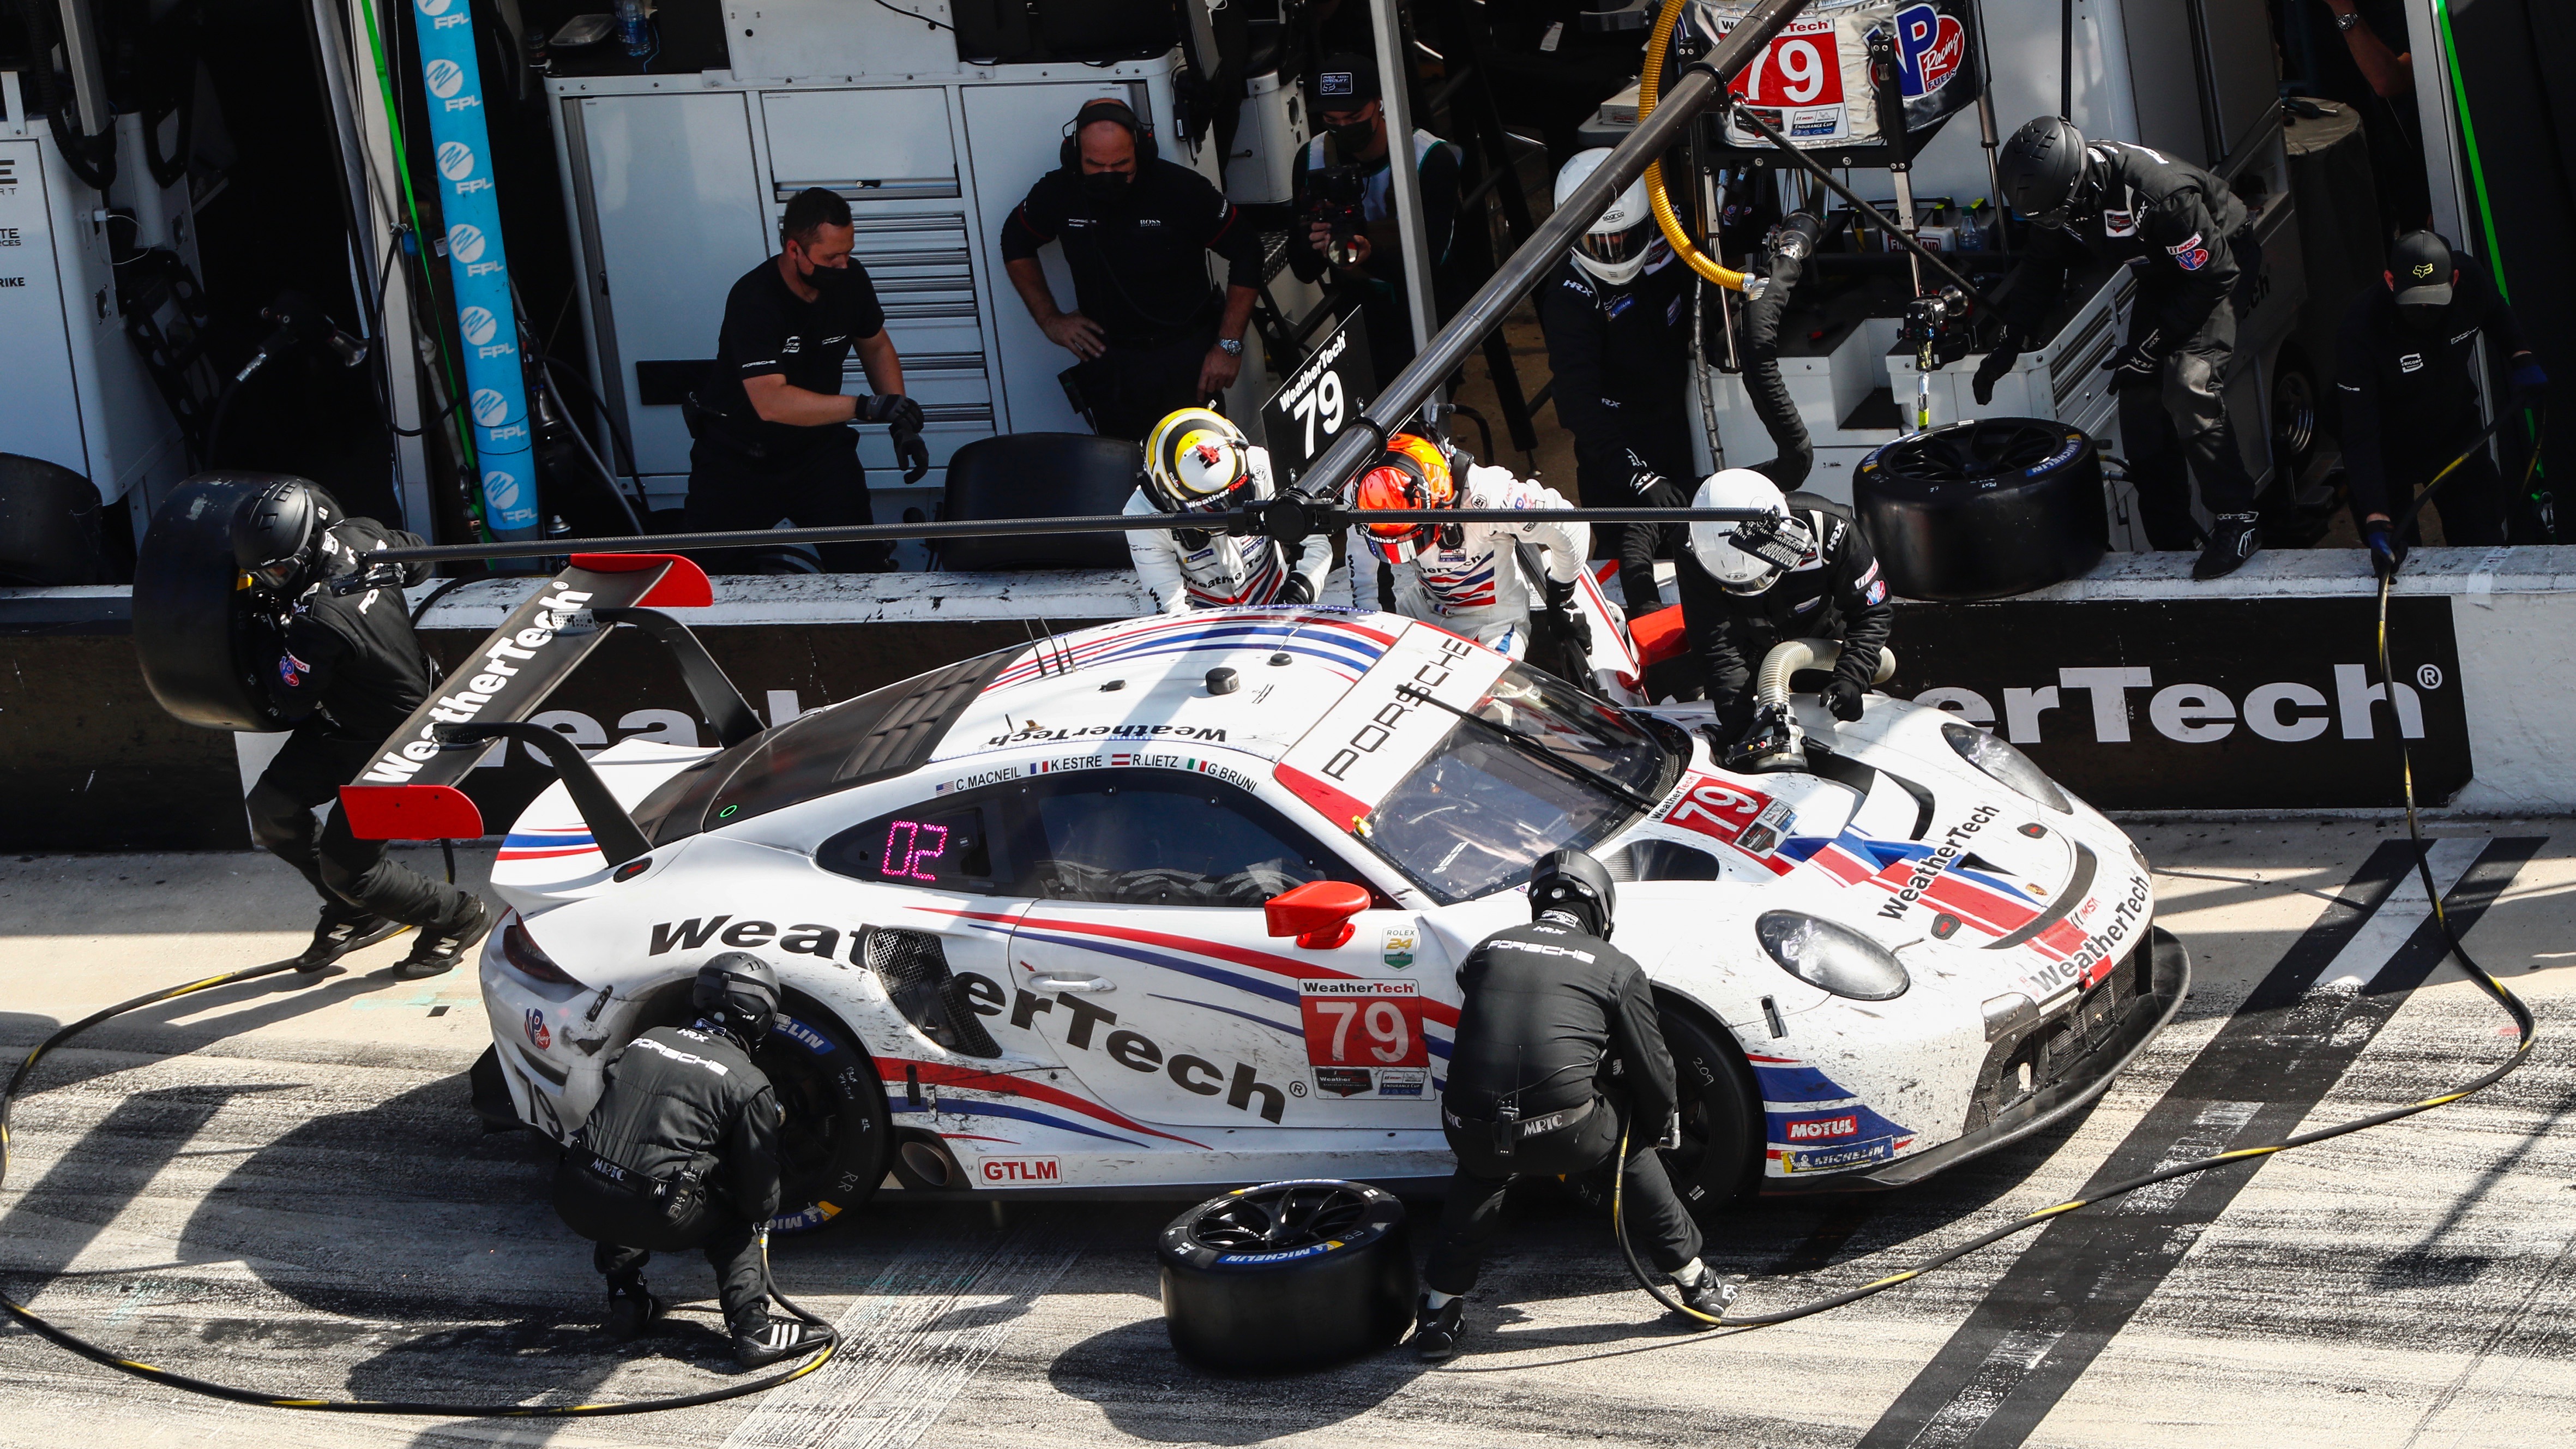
{"points": [[1411, 473]]}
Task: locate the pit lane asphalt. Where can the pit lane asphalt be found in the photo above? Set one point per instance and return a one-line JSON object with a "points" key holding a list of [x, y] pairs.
{"points": [[282, 1186]]}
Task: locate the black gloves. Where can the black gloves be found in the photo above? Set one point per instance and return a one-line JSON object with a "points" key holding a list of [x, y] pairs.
{"points": [[1578, 627], [2137, 362], [1841, 698], [1654, 490], [1297, 590], [1992, 370], [902, 417], [2528, 377]]}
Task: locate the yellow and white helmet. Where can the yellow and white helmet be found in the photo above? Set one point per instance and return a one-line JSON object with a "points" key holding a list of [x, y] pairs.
{"points": [[1195, 462]]}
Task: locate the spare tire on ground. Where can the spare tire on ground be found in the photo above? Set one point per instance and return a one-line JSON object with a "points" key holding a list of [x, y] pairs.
{"points": [[1984, 509], [1288, 1275]]}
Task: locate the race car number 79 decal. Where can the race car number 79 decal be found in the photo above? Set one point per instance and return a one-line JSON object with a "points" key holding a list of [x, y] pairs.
{"points": [[1363, 1023]]}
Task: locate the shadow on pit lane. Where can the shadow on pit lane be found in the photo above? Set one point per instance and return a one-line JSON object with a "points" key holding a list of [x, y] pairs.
{"points": [[1150, 1392]]}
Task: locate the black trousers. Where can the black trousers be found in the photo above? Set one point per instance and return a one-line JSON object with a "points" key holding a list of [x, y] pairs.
{"points": [[309, 771], [1129, 389], [614, 1219], [729, 489], [1657, 1220], [1660, 441], [2179, 428], [2472, 500]]}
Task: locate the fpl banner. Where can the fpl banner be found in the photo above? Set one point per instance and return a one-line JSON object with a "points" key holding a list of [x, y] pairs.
{"points": [[477, 270], [1812, 81]]}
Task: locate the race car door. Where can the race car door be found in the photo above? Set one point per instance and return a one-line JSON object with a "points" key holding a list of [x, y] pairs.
{"points": [[1146, 962]]}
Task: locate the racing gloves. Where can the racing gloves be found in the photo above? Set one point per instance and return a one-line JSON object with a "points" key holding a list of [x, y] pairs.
{"points": [[2528, 378], [1992, 370], [2137, 362], [903, 420], [1577, 627], [1841, 698]]}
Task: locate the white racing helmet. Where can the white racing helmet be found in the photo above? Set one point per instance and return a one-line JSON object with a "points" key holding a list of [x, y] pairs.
{"points": [[1623, 239], [1748, 557]]}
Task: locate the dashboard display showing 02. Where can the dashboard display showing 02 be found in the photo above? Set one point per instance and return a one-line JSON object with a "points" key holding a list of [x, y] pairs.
{"points": [[1322, 394]]}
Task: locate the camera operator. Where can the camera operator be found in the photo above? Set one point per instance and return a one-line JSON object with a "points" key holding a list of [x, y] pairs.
{"points": [[1346, 204], [1149, 331]]}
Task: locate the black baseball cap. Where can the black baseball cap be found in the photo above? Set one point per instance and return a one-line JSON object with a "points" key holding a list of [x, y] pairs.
{"points": [[2419, 270], [1344, 82]]}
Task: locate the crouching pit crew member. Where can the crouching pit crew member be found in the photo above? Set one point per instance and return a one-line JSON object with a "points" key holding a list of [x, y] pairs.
{"points": [[1805, 571], [1473, 578], [351, 672], [1557, 1051], [682, 1152], [1198, 462]]}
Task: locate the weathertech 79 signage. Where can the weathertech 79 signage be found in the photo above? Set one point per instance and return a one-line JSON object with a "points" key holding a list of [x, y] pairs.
{"points": [[2202, 704]]}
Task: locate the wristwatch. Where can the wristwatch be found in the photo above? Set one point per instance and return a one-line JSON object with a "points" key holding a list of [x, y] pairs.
{"points": [[1231, 346], [2347, 20]]}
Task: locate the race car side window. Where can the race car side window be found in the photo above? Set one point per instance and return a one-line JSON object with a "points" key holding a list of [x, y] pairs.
{"points": [[1164, 838], [939, 844]]}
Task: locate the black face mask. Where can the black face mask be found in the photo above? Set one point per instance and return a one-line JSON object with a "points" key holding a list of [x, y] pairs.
{"points": [[1106, 188], [2422, 320], [1349, 141]]}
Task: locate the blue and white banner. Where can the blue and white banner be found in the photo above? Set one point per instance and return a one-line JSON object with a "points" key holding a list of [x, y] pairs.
{"points": [[478, 271]]}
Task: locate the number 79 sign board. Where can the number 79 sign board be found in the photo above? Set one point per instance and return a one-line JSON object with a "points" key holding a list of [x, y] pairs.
{"points": [[1320, 397], [1812, 81], [1364, 1038]]}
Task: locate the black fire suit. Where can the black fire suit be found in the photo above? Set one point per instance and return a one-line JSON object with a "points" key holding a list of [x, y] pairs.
{"points": [[1835, 593], [2409, 404], [1621, 360], [680, 1152], [2200, 264], [1557, 1049], [351, 672]]}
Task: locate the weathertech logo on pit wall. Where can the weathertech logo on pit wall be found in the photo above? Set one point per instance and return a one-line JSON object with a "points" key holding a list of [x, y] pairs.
{"points": [[1018, 1171]]}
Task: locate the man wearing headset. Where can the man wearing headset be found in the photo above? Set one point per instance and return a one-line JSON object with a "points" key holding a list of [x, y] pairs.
{"points": [[1149, 332], [682, 1152], [1197, 462]]}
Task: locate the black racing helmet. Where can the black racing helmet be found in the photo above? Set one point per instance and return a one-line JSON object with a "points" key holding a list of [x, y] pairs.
{"points": [[1569, 880], [739, 992], [2043, 171], [277, 535]]}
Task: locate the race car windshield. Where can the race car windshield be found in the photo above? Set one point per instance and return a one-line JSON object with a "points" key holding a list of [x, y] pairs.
{"points": [[1473, 815]]}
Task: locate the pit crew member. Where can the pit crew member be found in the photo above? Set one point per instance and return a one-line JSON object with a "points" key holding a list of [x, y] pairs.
{"points": [[1558, 1050], [1616, 311], [682, 1152], [350, 673], [1469, 578], [2406, 377], [1804, 572], [2127, 203], [1198, 462]]}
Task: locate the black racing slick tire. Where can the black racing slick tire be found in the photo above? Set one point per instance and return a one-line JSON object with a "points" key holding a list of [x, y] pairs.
{"points": [[1720, 1160], [834, 1134], [1287, 1275]]}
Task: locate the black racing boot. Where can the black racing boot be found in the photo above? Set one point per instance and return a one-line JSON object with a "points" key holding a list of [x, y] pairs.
{"points": [[443, 943], [777, 1339], [633, 1313], [344, 928], [1712, 1295], [2233, 538], [1436, 1331]]}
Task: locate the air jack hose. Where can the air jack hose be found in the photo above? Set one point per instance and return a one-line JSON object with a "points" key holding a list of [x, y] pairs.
{"points": [[262, 1398], [1670, 223], [2496, 990], [1771, 681]]}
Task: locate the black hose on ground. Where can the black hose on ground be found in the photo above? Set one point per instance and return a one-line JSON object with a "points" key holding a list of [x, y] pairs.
{"points": [[262, 1398], [1785, 259]]}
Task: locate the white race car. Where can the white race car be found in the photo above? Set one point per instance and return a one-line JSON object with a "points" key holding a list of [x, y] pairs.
{"points": [[1178, 902]]}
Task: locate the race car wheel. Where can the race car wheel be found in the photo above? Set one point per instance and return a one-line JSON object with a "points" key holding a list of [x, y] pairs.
{"points": [[833, 1141], [1720, 1159], [1287, 1275]]}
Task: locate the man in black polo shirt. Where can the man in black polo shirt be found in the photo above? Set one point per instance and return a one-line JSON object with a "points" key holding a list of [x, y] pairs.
{"points": [[1149, 330], [771, 422]]}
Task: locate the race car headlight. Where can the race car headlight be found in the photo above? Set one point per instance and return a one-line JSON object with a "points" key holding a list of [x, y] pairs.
{"points": [[530, 960], [2005, 765], [1837, 958]]}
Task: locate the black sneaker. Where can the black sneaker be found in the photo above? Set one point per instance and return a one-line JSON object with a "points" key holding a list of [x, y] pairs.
{"points": [[1711, 1295], [782, 1338], [2233, 538], [441, 945], [343, 929], [1436, 1331], [632, 1315]]}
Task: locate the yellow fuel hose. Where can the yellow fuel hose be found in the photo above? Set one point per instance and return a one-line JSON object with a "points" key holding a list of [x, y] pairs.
{"points": [[1665, 218]]}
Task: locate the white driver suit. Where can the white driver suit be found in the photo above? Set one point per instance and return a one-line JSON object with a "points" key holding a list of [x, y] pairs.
{"points": [[1478, 589], [1225, 570]]}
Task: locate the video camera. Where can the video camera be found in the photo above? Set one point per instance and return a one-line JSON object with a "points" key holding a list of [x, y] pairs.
{"points": [[1335, 195]]}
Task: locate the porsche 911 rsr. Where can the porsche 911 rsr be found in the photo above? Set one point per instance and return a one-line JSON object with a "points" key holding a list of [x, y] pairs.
{"points": [[1023, 908]]}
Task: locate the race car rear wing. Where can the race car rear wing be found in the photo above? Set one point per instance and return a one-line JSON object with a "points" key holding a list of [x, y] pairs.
{"points": [[409, 790]]}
